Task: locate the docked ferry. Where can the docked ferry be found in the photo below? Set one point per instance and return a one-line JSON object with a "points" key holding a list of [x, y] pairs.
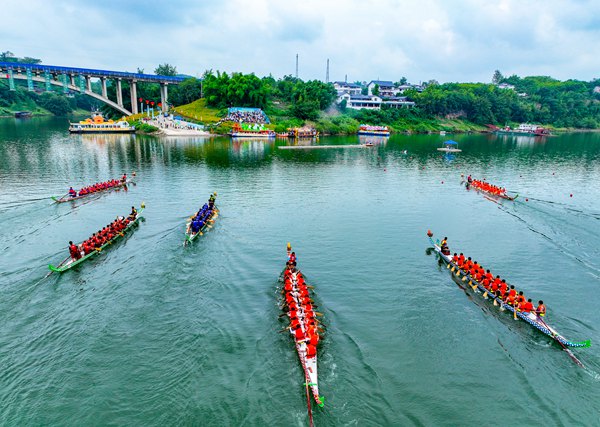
{"points": [[245, 130], [97, 124], [524, 129], [373, 130]]}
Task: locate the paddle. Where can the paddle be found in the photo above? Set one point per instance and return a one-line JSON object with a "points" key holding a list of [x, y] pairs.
{"points": [[565, 348], [61, 197]]}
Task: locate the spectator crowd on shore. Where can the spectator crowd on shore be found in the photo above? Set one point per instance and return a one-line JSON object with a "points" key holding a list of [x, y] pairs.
{"points": [[255, 115]]}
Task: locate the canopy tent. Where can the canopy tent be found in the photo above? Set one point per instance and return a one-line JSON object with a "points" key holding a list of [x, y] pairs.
{"points": [[450, 142]]}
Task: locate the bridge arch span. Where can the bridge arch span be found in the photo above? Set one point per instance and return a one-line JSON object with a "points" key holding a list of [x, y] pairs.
{"points": [[99, 97]]}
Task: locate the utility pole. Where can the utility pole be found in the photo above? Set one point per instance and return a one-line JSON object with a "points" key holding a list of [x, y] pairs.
{"points": [[296, 65], [327, 74]]}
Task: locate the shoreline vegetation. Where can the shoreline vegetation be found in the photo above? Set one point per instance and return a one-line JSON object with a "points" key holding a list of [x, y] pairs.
{"points": [[290, 102]]}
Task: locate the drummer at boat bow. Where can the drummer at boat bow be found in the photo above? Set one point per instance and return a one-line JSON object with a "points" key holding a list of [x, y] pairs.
{"points": [[444, 246]]}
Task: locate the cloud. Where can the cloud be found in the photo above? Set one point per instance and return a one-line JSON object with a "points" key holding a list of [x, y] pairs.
{"points": [[365, 39]]}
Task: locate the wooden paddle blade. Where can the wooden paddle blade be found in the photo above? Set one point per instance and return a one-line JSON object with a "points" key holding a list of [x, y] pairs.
{"points": [[448, 266], [485, 294], [464, 279], [495, 302]]}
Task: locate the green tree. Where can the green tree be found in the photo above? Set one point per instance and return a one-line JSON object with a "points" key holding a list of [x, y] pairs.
{"points": [[187, 91], [497, 77], [57, 105], [376, 90], [166, 70]]}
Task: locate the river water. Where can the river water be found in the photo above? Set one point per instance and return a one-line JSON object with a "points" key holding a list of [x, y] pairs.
{"points": [[154, 333]]}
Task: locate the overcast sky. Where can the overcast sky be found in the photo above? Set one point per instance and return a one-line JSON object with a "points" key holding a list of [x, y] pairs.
{"points": [[445, 40]]}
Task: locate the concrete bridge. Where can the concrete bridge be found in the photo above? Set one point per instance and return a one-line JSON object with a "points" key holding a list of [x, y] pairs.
{"points": [[66, 78]]}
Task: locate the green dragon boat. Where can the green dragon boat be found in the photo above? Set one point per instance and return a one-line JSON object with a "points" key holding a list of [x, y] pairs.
{"points": [[69, 262]]}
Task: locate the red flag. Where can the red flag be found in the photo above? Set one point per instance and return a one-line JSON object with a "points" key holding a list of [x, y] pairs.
{"points": [[140, 99]]}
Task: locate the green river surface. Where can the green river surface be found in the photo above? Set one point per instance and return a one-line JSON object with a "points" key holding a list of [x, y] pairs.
{"points": [[152, 333]]}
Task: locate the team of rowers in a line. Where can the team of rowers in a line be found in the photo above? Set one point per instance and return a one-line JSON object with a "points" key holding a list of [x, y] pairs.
{"points": [[99, 186], [485, 186], [203, 215], [299, 307], [496, 286], [103, 236]]}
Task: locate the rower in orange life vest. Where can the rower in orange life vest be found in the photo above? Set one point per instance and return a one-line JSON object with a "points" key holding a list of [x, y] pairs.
{"points": [[541, 309], [74, 251], [72, 193], [512, 295]]}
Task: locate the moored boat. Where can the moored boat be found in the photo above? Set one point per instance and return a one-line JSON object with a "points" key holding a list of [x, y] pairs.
{"points": [[211, 216], [373, 130], [68, 198], [69, 262], [256, 130], [303, 326], [23, 114], [488, 296], [524, 129], [450, 147], [97, 124]]}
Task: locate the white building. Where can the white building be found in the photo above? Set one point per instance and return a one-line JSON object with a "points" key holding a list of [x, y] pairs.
{"points": [[373, 102], [345, 87], [506, 86], [386, 88]]}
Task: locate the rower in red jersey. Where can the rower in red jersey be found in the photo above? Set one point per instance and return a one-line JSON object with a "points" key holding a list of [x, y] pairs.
{"points": [[74, 251], [293, 257], [72, 193], [526, 306], [520, 298], [124, 178], [503, 288], [496, 284], [461, 259], [298, 333]]}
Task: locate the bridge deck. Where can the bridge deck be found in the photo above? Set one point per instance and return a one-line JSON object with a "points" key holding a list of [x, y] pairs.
{"points": [[53, 69]]}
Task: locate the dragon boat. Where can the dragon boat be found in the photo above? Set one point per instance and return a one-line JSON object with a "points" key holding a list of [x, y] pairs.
{"points": [[530, 318], [471, 185], [191, 236], [67, 198], [69, 262], [308, 362]]}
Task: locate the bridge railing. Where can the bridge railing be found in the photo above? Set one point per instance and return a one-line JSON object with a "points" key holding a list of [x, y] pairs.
{"points": [[54, 69]]}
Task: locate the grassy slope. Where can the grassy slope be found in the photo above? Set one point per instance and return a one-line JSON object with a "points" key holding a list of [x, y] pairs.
{"points": [[198, 111]]}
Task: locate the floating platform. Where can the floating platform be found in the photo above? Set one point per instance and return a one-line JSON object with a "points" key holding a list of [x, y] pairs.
{"points": [[310, 147]]}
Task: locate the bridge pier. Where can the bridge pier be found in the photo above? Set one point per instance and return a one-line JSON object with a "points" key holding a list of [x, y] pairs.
{"points": [[119, 93], [133, 87], [88, 83], [104, 91], [164, 97], [72, 79]]}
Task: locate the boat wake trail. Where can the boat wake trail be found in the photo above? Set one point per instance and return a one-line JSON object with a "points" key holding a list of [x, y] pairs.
{"points": [[570, 235]]}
